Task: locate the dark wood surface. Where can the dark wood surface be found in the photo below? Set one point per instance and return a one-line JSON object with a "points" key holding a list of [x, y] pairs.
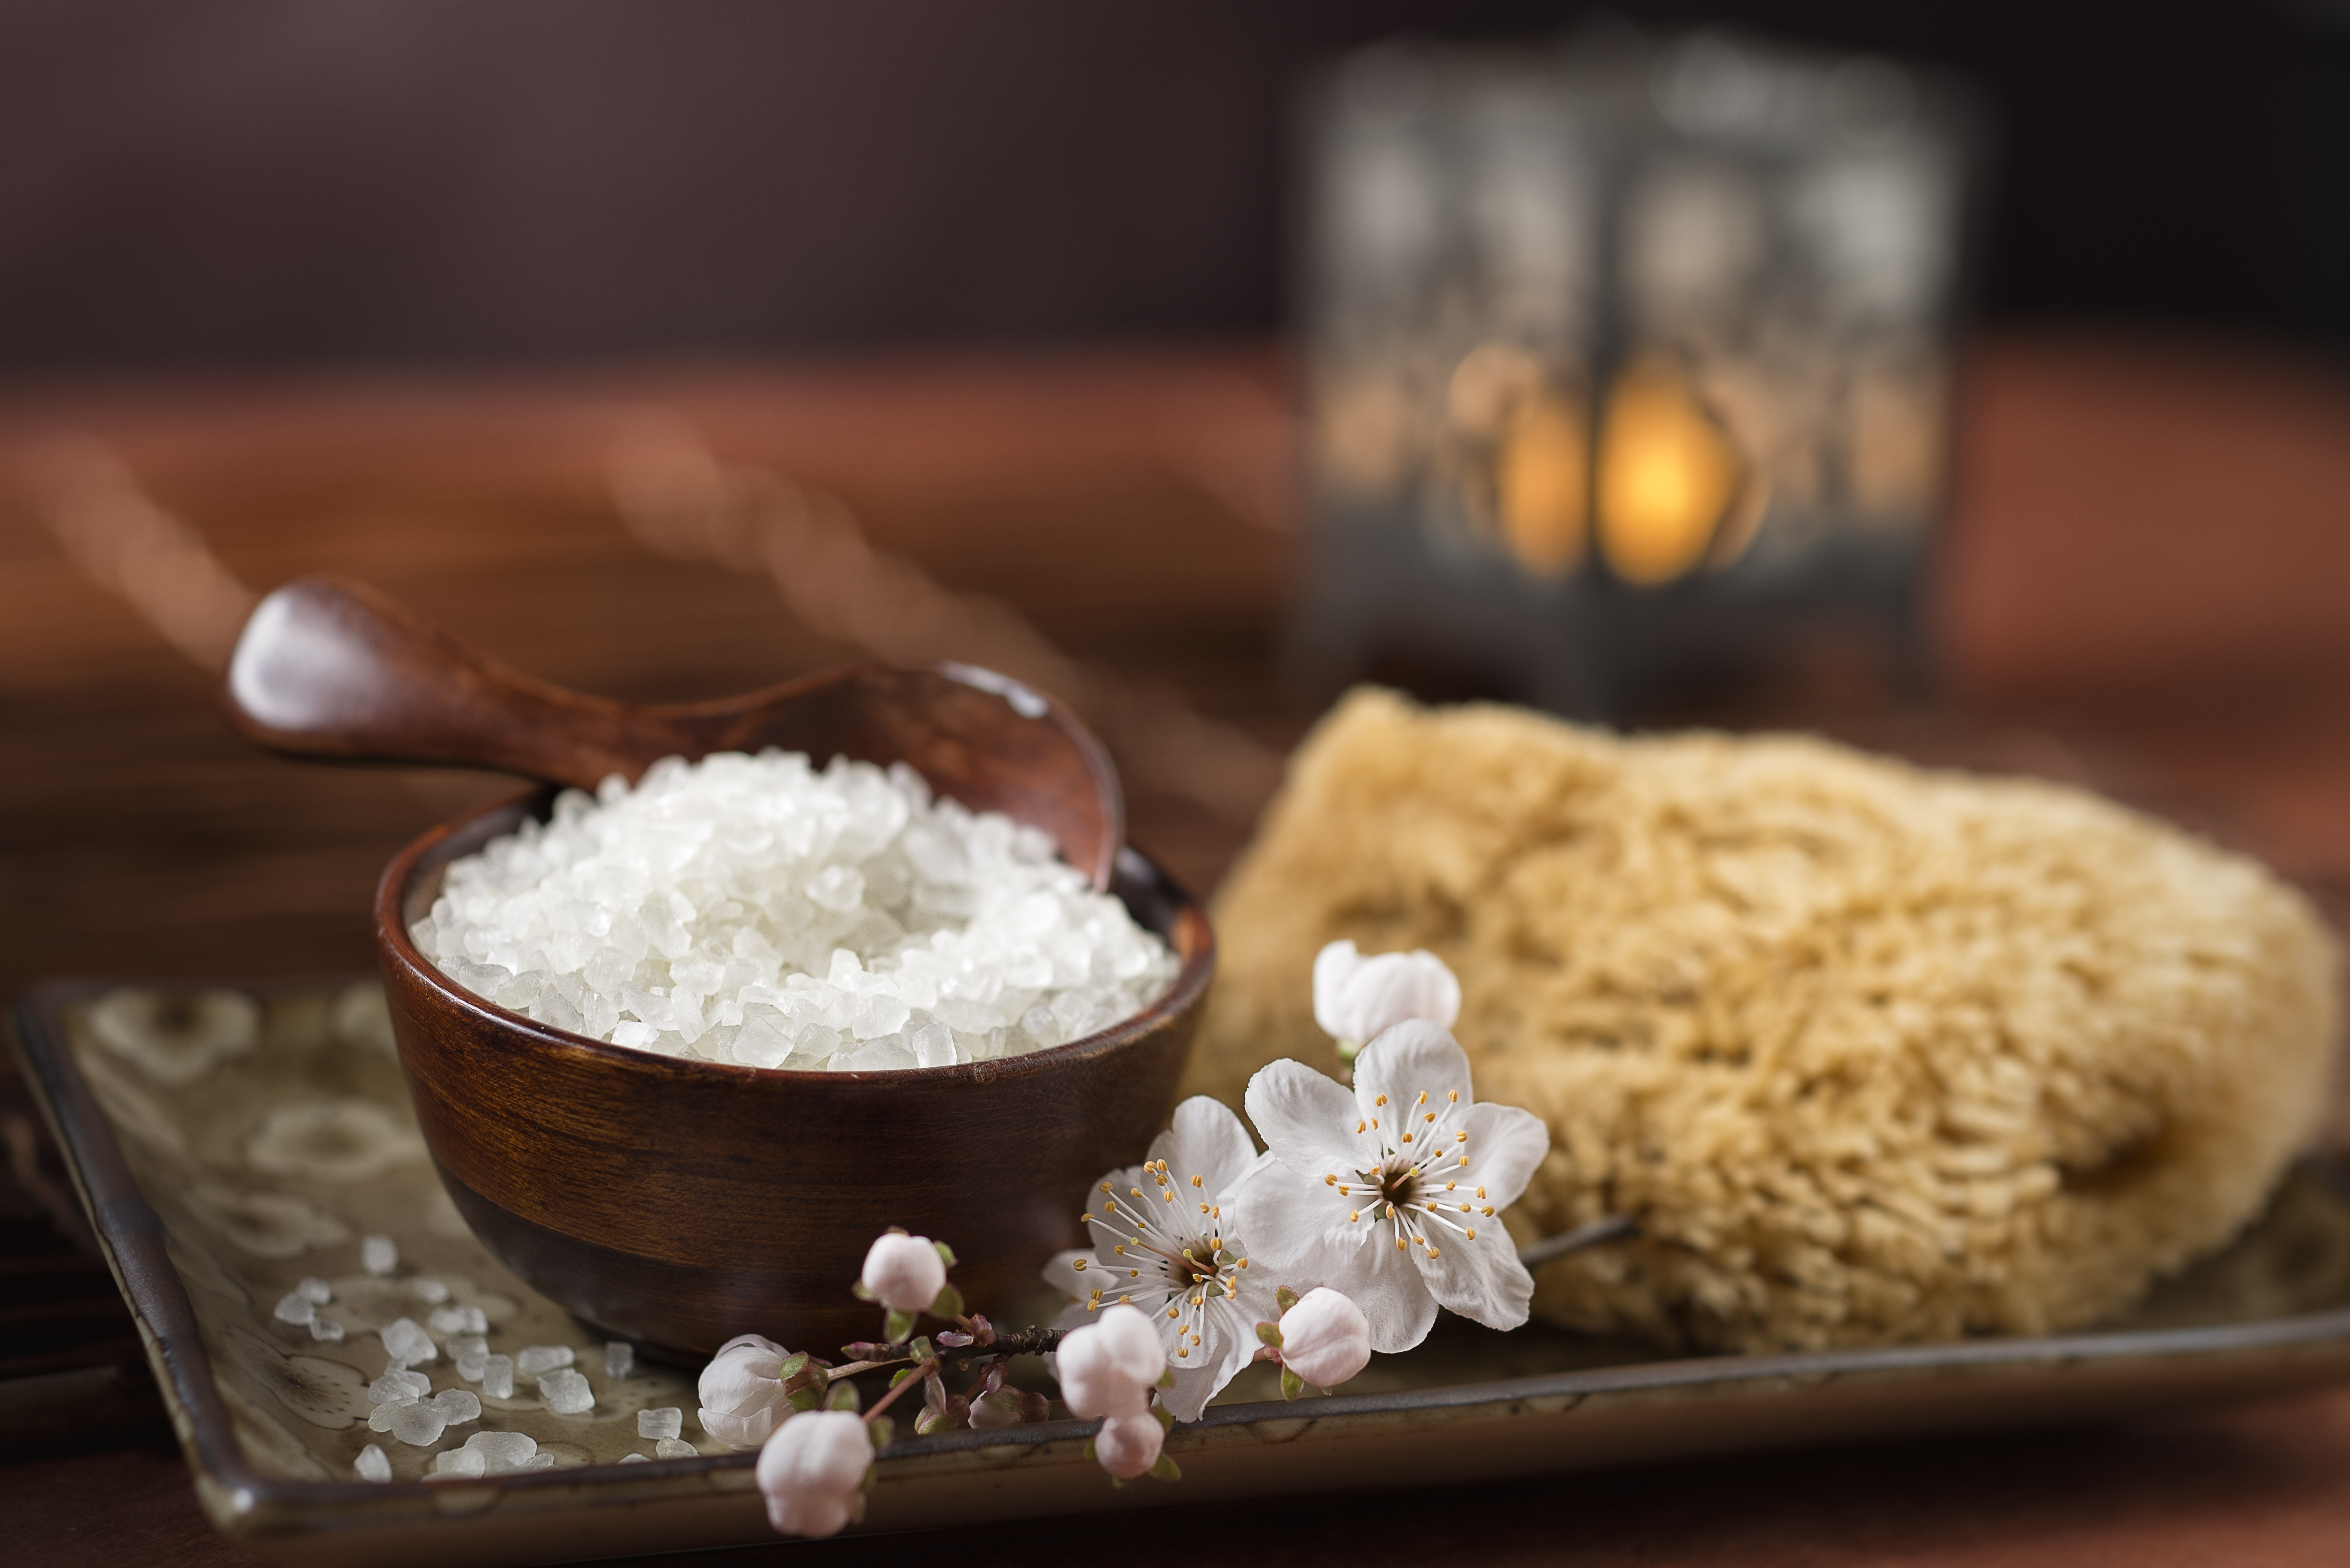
{"points": [[2145, 588]]}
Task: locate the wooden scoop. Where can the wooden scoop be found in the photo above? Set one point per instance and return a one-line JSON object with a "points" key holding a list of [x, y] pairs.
{"points": [[331, 671]]}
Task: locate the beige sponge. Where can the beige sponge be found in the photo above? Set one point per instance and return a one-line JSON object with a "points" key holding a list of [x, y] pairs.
{"points": [[1872, 1054]]}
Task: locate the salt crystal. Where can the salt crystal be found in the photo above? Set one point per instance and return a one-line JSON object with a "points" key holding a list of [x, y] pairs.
{"points": [[373, 1464], [666, 1422], [503, 1450], [458, 1462], [314, 1289], [635, 1458], [419, 1424], [378, 1255], [295, 1308], [497, 1377], [567, 1392], [675, 1449], [409, 1341], [764, 911], [534, 1359], [429, 1291], [620, 1356], [379, 1418], [323, 1327], [457, 1406], [458, 1320], [399, 1386]]}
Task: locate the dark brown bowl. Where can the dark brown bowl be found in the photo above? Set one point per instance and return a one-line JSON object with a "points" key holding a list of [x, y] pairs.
{"points": [[678, 1203]]}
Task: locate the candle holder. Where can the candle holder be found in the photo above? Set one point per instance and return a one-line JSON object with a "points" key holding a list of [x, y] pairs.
{"points": [[1627, 360]]}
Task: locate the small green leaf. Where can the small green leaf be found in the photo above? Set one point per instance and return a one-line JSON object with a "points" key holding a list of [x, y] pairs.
{"points": [[948, 1302], [1166, 1470], [881, 1429], [859, 1290], [1286, 1297], [919, 1347], [1292, 1384], [897, 1326], [946, 1253], [930, 1421], [1269, 1334], [1091, 1458], [1166, 1418], [844, 1397], [791, 1368], [1167, 1378], [804, 1398], [901, 1376]]}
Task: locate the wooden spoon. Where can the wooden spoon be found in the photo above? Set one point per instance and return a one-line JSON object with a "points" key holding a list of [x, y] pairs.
{"points": [[331, 671]]}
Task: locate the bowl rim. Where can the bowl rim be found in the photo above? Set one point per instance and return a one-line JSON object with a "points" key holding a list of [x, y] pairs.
{"points": [[396, 947]]}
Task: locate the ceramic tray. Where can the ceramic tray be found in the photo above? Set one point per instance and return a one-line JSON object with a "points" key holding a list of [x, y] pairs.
{"points": [[222, 1160]]}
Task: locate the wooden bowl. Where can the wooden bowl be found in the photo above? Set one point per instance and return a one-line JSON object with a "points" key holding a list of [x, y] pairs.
{"points": [[678, 1203]]}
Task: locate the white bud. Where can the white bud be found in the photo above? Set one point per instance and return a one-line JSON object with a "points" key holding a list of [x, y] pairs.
{"points": [[1128, 1446], [1109, 1366], [811, 1470], [743, 1398], [1358, 999], [1324, 1338], [905, 1274]]}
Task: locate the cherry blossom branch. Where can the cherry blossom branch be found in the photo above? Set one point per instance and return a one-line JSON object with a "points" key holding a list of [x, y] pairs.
{"points": [[1000, 1345], [910, 1380], [1607, 1228]]}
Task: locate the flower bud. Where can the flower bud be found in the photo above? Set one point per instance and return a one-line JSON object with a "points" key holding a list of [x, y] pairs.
{"points": [[904, 1272], [1324, 1338], [811, 1470], [1109, 1366], [742, 1394], [1128, 1446], [1358, 999]]}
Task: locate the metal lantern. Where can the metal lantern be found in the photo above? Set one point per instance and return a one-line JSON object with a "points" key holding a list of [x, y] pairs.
{"points": [[1625, 359]]}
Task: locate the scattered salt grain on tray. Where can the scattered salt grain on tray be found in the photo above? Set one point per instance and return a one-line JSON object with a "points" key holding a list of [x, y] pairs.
{"points": [[534, 1359], [666, 1422], [313, 1289], [635, 1458], [620, 1356], [429, 1291], [407, 1341], [325, 1328], [762, 911], [399, 1384], [378, 1255], [497, 1377], [294, 1308], [567, 1392], [675, 1449], [507, 1451], [457, 1406], [458, 1320], [373, 1464]]}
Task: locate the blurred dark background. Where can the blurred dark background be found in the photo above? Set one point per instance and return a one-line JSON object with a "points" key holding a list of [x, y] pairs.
{"points": [[272, 181]]}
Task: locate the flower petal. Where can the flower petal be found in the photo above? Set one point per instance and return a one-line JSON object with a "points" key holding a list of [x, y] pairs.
{"points": [[1412, 1057], [1306, 1120], [1064, 1276], [1506, 1144], [1206, 1139], [1480, 1280], [1292, 1220], [1334, 966], [1386, 1284]]}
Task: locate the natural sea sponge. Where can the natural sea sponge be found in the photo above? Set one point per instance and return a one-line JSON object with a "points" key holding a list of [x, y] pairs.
{"points": [[1872, 1054]]}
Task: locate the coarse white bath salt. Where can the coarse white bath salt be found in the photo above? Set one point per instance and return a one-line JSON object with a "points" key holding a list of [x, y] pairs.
{"points": [[761, 910]]}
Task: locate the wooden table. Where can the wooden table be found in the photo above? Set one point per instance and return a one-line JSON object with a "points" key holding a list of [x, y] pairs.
{"points": [[2145, 587]]}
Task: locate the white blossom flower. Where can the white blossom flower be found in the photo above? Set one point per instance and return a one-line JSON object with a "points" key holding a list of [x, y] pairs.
{"points": [[1324, 1338], [743, 1398], [1165, 1242], [1128, 1446], [904, 1272], [1388, 1194], [1109, 1366], [1358, 999], [812, 1472]]}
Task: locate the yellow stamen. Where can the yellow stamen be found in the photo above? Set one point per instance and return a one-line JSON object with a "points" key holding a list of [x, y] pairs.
{"points": [[1079, 1266], [1195, 1181], [1381, 1101], [1454, 1096], [1353, 1215], [1472, 1233]]}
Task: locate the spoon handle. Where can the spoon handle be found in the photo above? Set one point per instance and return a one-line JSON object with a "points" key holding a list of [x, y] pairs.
{"points": [[330, 670]]}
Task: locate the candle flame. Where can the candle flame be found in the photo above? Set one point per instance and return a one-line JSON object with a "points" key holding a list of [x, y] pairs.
{"points": [[1667, 474]]}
